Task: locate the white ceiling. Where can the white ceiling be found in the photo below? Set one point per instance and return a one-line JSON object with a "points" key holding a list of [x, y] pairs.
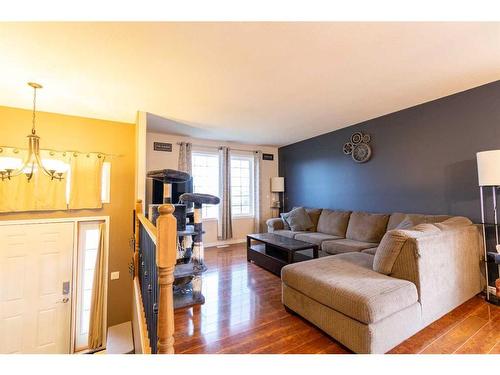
{"points": [[263, 83]]}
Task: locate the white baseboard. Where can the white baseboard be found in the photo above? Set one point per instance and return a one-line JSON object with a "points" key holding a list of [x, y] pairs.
{"points": [[226, 242]]}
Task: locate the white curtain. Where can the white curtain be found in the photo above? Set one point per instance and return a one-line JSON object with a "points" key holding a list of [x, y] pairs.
{"points": [[225, 225], [257, 157], [185, 157], [40, 193], [86, 181]]}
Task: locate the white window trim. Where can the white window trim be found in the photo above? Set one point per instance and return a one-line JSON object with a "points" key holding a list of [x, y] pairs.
{"points": [[249, 157]]}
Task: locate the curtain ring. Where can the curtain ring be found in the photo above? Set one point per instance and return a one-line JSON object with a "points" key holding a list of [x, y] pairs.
{"points": [[88, 155], [16, 151], [99, 156], [75, 154]]}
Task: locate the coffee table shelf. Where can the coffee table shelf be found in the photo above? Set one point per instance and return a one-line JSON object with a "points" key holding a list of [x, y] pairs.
{"points": [[272, 252]]}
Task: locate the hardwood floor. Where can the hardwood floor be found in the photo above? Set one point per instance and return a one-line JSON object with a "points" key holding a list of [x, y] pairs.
{"points": [[243, 314]]}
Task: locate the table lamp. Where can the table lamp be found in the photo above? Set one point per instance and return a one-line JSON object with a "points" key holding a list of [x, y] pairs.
{"points": [[278, 186]]}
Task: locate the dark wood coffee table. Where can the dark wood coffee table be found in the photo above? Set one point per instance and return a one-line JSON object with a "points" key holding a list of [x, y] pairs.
{"points": [[272, 252]]}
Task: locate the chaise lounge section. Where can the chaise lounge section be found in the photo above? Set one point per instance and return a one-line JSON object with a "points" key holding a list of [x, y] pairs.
{"points": [[385, 282]]}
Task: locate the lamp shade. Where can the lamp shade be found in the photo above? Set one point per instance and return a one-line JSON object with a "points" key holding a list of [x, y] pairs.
{"points": [[488, 168], [277, 184], [10, 163]]}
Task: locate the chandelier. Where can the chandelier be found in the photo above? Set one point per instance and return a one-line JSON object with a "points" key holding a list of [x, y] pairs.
{"points": [[33, 163]]}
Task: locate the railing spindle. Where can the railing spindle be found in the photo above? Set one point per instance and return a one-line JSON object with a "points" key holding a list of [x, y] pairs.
{"points": [[166, 257]]}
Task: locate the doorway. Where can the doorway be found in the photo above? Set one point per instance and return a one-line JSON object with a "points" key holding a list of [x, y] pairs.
{"points": [[35, 288], [46, 277]]}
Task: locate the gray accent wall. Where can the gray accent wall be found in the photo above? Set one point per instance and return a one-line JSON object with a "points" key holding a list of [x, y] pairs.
{"points": [[423, 159]]}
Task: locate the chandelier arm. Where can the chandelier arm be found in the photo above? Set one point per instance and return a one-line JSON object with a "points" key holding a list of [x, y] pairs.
{"points": [[25, 163], [44, 170]]}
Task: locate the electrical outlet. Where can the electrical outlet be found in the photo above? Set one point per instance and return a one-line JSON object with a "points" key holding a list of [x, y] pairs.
{"points": [[115, 275]]}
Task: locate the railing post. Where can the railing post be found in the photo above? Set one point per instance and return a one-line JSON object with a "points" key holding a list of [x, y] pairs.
{"points": [[138, 210], [166, 258]]}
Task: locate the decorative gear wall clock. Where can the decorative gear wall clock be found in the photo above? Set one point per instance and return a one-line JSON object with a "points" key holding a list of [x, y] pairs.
{"points": [[358, 147]]}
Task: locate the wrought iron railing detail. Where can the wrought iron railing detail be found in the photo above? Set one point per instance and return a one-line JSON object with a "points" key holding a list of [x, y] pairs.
{"points": [[154, 260], [148, 278]]}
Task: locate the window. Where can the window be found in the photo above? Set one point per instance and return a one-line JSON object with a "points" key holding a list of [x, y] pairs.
{"points": [[88, 242], [206, 179], [241, 185], [106, 182]]}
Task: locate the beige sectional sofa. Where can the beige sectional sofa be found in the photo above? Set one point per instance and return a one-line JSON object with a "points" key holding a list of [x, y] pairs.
{"points": [[376, 284]]}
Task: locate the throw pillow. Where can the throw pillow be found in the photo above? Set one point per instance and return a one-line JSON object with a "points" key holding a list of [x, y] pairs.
{"points": [[314, 214], [407, 223], [388, 250], [298, 219], [283, 216]]}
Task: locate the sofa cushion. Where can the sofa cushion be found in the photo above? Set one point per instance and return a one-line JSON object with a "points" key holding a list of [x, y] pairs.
{"points": [[298, 219], [367, 227], [360, 259], [314, 214], [388, 250], [315, 238], [333, 222], [397, 217], [349, 288], [432, 219], [345, 246], [371, 251], [453, 223], [288, 233]]}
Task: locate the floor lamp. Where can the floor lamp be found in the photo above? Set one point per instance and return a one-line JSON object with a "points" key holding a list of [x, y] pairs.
{"points": [[278, 186], [488, 169]]}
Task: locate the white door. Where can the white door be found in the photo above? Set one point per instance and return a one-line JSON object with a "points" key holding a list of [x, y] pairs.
{"points": [[35, 287]]}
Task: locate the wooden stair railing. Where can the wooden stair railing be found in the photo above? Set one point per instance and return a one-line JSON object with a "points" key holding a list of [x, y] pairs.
{"points": [[154, 262]]}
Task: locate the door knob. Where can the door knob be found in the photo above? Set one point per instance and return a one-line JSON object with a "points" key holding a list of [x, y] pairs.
{"points": [[64, 300]]}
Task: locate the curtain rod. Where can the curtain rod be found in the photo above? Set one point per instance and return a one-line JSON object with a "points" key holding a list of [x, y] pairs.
{"points": [[65, 151], [218, 147]]}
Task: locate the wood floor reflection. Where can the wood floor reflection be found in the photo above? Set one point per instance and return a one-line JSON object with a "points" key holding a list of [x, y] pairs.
{"points": [[243, 314]]}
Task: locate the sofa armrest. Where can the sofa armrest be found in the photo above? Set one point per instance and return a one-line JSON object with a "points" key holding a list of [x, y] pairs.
{"points": [[275, 224], [445, 267]]}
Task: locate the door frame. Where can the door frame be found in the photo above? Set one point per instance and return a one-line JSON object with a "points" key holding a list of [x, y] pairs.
{"points": [[74, 262]]}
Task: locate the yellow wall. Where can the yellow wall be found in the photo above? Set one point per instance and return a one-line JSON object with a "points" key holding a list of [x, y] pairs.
{"points": [[63, 132]]}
